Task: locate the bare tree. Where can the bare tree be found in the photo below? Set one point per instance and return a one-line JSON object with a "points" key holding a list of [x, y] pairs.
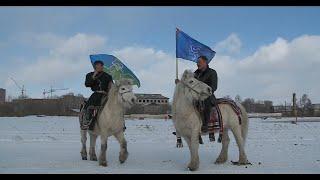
{"points": [[238, 98], [306, 104], [248, 103]]}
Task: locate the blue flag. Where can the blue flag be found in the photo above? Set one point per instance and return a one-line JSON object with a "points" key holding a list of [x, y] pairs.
{"points": [[190, 49], [115, 67]]}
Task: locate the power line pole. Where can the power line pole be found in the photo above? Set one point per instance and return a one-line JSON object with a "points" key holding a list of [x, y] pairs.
{"points": [[294, 107]]}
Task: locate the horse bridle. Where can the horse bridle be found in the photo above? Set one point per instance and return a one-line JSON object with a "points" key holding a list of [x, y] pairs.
{"points": [[122, 93], [191, 87], [125, 92]]}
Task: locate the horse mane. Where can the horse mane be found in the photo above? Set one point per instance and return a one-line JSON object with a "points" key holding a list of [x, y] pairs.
{"points": [[187, 74], [180, 88]]}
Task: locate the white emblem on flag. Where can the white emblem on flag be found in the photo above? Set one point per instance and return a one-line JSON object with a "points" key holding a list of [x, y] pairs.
{"points": [[194, 50]]}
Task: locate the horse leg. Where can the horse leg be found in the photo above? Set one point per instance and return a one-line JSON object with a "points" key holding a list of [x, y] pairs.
{"points": [[188, 140], [83, 151], [123, 155], [224, 150], [102, 157], [92, 150], [240, 142], [194, 146]]}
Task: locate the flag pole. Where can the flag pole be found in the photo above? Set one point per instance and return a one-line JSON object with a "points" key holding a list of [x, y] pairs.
{"points": [[176, 55], [176, 68]]}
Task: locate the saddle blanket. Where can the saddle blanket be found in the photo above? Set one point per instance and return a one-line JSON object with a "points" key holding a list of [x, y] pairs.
{"points": [[87, 121], [215, 122]]}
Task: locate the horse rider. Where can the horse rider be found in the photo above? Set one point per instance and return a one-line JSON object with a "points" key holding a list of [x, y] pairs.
{"points": [[208, 76], [100, 83]]}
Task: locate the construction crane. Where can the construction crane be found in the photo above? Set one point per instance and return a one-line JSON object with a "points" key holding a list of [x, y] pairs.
{"points": [[52, 90], [22, 88]]}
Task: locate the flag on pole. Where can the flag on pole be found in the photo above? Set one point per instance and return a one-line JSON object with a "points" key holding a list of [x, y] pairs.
{"points": [[115, 67], [190, 49]]}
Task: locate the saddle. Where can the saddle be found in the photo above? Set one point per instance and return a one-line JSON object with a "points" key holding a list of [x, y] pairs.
{"points": [[215, 122], [88, 117]]}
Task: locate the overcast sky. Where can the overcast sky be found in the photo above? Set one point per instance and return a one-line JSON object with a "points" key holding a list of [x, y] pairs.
{"points": [[266, 53]]}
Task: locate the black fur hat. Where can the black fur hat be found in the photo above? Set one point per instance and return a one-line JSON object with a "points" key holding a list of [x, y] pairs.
{"points": [[98, 62]]}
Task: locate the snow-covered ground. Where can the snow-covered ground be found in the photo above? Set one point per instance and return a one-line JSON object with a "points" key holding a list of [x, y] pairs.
{"points": [[52, 145]]}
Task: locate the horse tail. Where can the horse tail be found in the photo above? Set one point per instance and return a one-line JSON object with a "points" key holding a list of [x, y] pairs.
{"points": [[244, 122]]}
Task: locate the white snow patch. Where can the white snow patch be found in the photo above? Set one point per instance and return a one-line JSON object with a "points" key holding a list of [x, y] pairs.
{"points": [[52, 145]]}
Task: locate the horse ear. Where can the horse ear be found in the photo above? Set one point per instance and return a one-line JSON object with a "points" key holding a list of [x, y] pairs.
{"points": [[184, 76], [187, 74]]}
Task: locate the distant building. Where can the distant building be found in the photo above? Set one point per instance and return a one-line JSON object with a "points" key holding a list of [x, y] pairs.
{"points": [[70, 101], [146, 99], [2, 96], [316, 109], [282, 109], [150, 104]]}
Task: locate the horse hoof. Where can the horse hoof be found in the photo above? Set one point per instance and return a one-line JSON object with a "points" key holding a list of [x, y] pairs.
{"points": [[192, 168], [220, 161], [123, 158], [93, 158], [104, 164]]}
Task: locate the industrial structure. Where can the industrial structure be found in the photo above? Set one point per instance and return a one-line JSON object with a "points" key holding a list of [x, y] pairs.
{"points": [[21, 88], [2, 96]]}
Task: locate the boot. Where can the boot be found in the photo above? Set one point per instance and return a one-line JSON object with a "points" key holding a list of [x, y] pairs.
{"points": [[200, 140], [87, 117], [211, 137], [220, 138], [204, 128], [94, 119], [124, 127]]}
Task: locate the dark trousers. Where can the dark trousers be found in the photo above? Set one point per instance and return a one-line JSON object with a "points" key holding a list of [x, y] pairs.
{"points": [[209, 103], [94, 100]]}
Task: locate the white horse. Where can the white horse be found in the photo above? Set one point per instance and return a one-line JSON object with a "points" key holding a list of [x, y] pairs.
{"points": [[110, 122], [188, 124]]}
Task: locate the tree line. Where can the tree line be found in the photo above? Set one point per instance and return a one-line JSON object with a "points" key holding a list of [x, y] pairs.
{"points": [[304, 106]]}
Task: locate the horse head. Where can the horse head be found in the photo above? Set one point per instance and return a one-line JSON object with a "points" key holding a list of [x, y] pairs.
{"points": [[197, 89], [125, 93]]}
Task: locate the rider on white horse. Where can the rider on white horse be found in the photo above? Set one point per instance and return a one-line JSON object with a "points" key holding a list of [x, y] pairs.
{"points": [[100, 83], [208, 76]]}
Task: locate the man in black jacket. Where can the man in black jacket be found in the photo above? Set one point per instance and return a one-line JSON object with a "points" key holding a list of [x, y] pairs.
{"points": [[100, 83], [209, 77]]}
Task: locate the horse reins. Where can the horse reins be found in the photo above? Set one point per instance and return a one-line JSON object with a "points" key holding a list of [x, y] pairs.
{"points": [[191, 87]]}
